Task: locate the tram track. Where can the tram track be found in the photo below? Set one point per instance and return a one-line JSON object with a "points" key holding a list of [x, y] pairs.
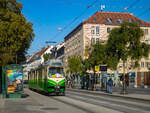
{"points": [[115, 105]]}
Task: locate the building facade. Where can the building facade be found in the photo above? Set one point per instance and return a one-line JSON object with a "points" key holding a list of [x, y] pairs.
{"points": [[60, 51], [97, 28], [35, 60]]}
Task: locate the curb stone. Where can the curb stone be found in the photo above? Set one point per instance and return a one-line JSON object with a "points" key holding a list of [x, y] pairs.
{"points": [[106, 94], [1, 104]]}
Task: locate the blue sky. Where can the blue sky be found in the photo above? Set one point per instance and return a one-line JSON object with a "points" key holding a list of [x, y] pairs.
{"points": [[49, 15]]}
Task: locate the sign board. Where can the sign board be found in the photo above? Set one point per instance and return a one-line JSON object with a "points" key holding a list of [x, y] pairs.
{"points": [[97, 68], [103, 67], [14, 79]]}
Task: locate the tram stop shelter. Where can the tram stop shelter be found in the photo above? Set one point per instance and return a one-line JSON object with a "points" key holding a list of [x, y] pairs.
{"points": [[12, 81]]}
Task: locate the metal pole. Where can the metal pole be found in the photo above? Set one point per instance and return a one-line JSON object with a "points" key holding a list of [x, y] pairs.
{"points": [[124, 83], [16, 58]]}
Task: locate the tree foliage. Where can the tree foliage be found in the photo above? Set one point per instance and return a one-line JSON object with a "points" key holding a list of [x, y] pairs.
{"points": [[16, 34], [125, 42], [47, 56], [97, 55], [74, 64]]}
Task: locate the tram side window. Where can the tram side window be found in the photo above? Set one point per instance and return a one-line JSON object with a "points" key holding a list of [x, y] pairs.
{"points": [[42, 73], [45, 73]]}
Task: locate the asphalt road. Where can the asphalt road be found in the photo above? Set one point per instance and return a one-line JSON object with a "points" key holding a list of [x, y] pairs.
{"points": [[73, 102]]}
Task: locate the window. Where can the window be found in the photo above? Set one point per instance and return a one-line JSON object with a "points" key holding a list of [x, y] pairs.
{"points": [[146, 31], [92, 31], [92, 40], [119, 20], [109, 20], [142, 64], [147, 64], [139, 22], [95, 18], [97, 40], [97, 30], [55, 72], [146, 41], [108, 29], [130, 21]]}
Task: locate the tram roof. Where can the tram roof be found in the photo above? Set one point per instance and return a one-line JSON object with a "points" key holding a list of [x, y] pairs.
{"points": [[54, 63]]}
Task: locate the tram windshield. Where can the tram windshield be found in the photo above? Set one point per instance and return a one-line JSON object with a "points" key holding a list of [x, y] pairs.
{"points": [[56, 73]]}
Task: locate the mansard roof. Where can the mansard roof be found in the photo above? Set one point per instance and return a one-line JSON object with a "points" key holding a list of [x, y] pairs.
{"points": [[114, 18]]}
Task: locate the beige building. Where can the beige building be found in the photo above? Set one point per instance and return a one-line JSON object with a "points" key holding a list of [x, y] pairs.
{"points": [[96, 28]]}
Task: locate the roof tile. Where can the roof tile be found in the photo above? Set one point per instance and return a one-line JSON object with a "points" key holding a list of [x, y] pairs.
{"points": [[100, 18]]}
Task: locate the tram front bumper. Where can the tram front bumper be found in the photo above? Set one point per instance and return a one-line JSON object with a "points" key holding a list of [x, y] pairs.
{"points": [[57, 88]]}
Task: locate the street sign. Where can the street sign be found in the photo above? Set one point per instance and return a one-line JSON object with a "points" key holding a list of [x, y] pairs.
{"points": [[97, 68], [103, 67]]}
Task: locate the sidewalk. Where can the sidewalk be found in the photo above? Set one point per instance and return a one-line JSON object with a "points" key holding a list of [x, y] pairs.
{"points": [[1, 103], [133, 93]]}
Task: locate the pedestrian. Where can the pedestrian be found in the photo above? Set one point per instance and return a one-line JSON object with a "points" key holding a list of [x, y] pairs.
{"points": [[110, 84], [87, 82], [68, 83]]}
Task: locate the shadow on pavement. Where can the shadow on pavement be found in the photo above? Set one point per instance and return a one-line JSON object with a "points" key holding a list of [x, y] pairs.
{"points": [[24, 95], [46, 94]]}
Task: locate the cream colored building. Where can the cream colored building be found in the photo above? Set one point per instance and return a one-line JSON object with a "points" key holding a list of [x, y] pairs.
{"points": [[96, 28]]}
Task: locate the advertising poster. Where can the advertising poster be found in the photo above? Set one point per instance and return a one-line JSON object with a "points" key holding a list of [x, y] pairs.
{"points": [[14, 80]]}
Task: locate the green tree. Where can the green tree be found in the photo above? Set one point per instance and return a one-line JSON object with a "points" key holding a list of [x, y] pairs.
{"points": [[47, 56], [125, 43], [16, 34], [74, 64], [97, 57]]}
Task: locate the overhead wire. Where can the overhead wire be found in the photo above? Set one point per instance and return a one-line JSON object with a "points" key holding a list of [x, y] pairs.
{"points": [[144, 12], [76, 18], [133, 4], [92, 5]]}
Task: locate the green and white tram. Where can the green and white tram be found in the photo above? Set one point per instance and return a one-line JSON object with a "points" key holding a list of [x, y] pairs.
{"points": [[48, 78]]}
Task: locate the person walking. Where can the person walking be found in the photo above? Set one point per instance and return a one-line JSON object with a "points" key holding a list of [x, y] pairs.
{"points": [[110, 84]]}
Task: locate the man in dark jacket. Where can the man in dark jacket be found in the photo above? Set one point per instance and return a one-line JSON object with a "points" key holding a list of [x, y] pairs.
{"points": [[110, 84]]}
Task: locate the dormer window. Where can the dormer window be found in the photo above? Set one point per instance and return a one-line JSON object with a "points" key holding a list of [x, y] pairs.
{"points": [[119, 20], [130, 21], [139, 22], [95, 18], [109, 20]]}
